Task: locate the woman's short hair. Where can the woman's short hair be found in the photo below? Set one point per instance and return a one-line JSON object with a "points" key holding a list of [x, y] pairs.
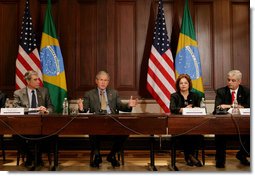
{"points": [[179, 79]]}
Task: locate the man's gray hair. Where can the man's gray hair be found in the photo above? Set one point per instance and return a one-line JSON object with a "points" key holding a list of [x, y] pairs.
{"points": [[235, 73], [28, 75], [102, 72]]}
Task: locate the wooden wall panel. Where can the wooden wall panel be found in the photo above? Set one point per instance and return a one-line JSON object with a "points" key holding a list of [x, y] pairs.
{"points": [[203, 23], [222, 53], [145, 21], [67, 35], [87, 43], [9, 32], [169, 13], [241, 39], [125, 69]]}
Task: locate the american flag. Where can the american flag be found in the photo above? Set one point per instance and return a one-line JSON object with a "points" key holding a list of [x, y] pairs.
{"points": [[161, 76], [28, 56]]}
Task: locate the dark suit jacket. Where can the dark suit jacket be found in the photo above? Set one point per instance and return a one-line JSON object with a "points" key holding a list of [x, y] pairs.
{"points": [[177, 101], [2, 99], [21, 98], [92, 102], [223, 96]]}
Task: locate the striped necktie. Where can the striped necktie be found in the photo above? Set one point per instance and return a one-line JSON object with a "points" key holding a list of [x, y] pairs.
{"points": [[103, 100]]}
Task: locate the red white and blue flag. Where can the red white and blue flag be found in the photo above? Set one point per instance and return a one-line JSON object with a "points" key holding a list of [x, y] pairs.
{"points": [[28, 56], [161, 73]]}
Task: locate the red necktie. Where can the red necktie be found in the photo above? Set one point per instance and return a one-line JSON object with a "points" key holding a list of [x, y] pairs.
{"points": [[233, 96]]}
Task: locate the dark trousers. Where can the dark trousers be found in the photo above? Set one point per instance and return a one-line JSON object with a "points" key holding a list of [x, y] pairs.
{"points": [[27, 147], [221, 145], [117, 140], [190, 143]]}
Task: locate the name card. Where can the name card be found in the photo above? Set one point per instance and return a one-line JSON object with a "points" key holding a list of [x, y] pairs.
{"points": [[193, 111], [245, 111], [12, 111]]}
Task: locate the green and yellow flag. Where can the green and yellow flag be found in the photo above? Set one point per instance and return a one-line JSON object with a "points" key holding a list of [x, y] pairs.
{"points": [[52, 62], [187, 59]]}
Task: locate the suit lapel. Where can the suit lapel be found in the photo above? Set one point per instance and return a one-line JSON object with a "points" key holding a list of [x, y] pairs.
{"points": [[239, 94], [228, 99], [25, 97], [39, 97], [97, 100], [109, 97]]}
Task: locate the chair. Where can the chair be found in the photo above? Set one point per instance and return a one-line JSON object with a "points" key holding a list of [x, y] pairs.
{"points": [[174, 148], [23, 156], [47, 146], [120, 156], [2, 146]]}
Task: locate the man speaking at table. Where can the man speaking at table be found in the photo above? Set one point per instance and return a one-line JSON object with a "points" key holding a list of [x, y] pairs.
{"points": [[103, 100]]}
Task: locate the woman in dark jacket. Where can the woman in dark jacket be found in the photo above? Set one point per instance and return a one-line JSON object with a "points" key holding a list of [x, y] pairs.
{"points": [[184, 98]]}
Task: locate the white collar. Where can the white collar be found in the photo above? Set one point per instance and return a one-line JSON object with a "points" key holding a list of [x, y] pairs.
{"points": [[234, 91]]}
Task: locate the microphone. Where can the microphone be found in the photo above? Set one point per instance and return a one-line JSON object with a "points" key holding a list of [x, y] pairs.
{"points": [[102, 112], [112, 110]]}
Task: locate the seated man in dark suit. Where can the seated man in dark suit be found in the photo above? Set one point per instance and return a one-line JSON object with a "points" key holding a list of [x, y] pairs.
{"points": [[2, 103], [2, 99], [103, 100], [225, 98], [32, 96]]}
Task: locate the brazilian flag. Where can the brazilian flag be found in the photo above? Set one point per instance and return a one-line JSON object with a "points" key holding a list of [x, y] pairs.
{"points": [[52, 62], [187, 59]]}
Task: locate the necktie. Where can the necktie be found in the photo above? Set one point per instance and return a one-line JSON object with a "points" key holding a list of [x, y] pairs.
{"points": [[33, 102], [103, 100], [233, 96]]}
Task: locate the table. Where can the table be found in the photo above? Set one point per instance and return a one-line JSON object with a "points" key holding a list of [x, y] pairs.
{"points": [[20, 124], [125, 124], [206, 124], [209, 124], [117, 124]]}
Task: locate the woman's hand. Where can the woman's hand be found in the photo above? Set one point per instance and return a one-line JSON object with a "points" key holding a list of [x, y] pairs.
{"points": [[189, 106]]}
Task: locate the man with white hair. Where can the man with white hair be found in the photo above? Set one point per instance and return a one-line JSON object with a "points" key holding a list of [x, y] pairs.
{"points": [[225, 98]]}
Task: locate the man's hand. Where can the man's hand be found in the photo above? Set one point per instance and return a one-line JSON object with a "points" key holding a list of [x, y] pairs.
{"points": [[225, 106], [80, 104], [132, 102], [43, 109]]}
